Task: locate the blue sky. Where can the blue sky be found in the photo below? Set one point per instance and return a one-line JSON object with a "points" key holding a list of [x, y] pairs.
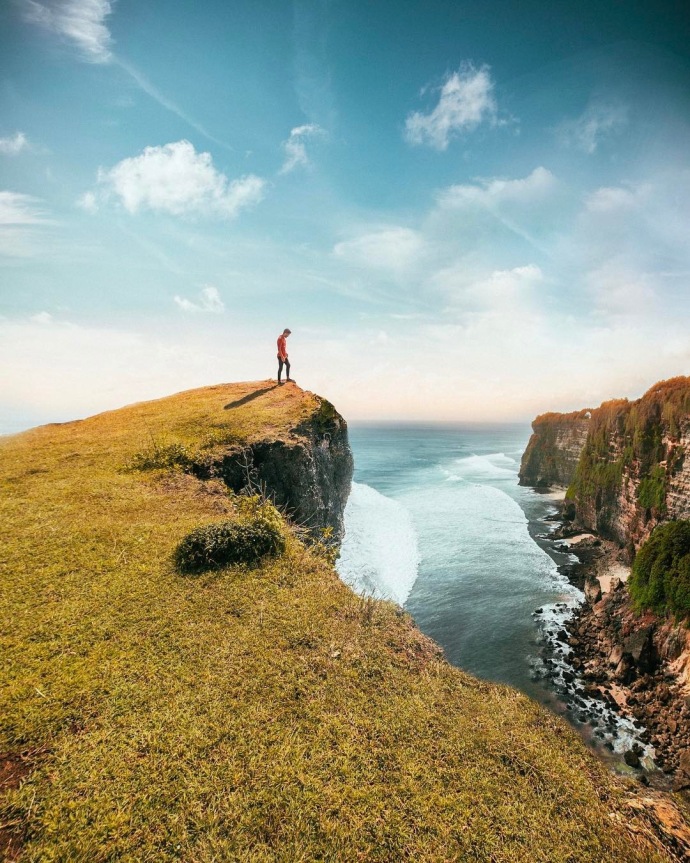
{"points": [[462, 210]]}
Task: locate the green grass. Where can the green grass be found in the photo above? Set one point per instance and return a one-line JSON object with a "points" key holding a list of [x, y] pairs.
{"points": [[251, 713]]}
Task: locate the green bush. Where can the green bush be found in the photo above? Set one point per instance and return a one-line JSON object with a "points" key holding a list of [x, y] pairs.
{"points": [[660, 577], [258, 532]]}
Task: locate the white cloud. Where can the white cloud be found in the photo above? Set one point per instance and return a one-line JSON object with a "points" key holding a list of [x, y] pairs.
{"points": [[489, 193], [598, 122], [88, 202], [501, 289], [81, 22], [610, 199], [295, 148], [465, 102], [176, 179], [14, 145], [209, 301], [391, 250]]}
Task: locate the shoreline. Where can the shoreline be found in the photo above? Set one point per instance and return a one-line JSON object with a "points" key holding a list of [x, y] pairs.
{"points": [[623, 678]]}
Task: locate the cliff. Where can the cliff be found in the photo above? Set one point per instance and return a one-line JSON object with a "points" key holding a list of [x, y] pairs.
{"points": [[306, 468], [554, 449], [626, 468], [634, 470], [259, 711]]}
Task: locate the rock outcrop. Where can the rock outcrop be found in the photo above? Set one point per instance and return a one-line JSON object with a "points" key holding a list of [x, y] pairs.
{"points": [[554, 449], [308, 471], [640, 662]]}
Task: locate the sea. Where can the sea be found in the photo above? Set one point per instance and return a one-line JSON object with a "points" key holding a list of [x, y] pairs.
{"points": [[437, 522]]}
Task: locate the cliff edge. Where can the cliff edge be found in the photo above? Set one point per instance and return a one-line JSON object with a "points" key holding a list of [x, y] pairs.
{"points": [[554, 449]]}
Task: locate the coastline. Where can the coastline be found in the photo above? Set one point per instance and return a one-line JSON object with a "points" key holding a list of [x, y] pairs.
{"points": [[624, 678]]}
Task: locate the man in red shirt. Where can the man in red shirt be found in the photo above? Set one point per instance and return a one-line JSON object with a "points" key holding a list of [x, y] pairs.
{"points": [[283, 356]]}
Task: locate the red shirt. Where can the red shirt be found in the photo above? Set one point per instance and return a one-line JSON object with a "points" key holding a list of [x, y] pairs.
{"points": [[282, 347]]}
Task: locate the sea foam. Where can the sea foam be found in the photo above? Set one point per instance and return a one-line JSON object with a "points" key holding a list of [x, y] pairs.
{"points": [[379, 555]]}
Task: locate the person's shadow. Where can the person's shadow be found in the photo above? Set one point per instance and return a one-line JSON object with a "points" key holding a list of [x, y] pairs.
{"points": [[248, 398]]}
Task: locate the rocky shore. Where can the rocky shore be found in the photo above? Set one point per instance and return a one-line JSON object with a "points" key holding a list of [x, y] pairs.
{"points": [[627, 665]]}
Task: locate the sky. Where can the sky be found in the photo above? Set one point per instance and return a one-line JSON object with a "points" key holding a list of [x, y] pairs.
{"points": [[471, 211]]}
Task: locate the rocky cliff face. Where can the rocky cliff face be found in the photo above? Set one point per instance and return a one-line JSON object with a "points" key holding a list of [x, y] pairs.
{"points": [[634, 471], [308, 471], [554, 449], [627, 467]]}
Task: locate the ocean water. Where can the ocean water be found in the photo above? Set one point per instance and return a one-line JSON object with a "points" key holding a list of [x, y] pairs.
{"points": [[437, 522]]}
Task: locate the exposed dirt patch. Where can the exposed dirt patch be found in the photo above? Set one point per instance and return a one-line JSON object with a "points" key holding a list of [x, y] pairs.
{"points": [[14, 768]]}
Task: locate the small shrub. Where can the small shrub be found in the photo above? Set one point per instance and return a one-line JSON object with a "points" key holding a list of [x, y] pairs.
{"points": [[257, 533], [660, 578], [160, 456]]}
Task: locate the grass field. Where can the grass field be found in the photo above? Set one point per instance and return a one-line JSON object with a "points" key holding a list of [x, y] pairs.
{"points": [[248, 714]]}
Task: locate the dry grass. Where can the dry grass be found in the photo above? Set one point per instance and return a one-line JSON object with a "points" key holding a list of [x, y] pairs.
{"points": [[249, 714]]}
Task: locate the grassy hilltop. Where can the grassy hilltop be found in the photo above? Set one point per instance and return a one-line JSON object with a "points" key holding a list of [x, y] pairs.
{"points": [[263, 714]]}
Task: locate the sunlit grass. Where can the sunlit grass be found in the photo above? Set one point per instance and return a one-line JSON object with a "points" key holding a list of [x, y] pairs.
{"points": [[248, 714]]}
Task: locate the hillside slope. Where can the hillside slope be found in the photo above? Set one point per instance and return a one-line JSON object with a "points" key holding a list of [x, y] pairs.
{"points": [[263, 714]]}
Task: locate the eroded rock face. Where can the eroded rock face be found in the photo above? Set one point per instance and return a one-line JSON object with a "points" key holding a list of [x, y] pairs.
{"points": [[622, 513], [308, 472], [626, 464], [678, 493], [554, 449]]}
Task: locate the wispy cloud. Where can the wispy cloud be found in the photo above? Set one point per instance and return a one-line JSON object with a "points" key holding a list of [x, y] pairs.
{"points": [[14, 144], [20, 216], [81, 22], [209, 301], [509, 202], [598, 122], [175, 179], [466, 100], [19, 209], [144, 84], [295, 147], [311, 61], [390, 250]]}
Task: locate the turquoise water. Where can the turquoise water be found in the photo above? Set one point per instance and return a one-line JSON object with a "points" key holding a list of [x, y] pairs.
{"points": [[437, 521]]}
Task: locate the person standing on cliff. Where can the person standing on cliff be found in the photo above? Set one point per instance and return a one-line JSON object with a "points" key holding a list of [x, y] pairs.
{"points": [[283, 356]]}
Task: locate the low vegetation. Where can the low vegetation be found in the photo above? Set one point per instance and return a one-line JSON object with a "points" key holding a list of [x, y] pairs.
{"points": [[245, 540], [660, 578], [256, 713]]}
